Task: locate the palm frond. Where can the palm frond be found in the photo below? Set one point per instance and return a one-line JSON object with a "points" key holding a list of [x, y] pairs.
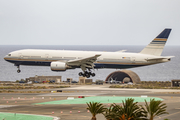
{"points": [[155, 108]]}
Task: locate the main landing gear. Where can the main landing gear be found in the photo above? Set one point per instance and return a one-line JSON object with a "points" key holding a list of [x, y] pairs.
{"points": [[87, 74], [18, 71]]}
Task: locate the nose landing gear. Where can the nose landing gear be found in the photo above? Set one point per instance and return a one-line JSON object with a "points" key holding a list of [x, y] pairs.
{"points": [[87, 74], [18, 71]]}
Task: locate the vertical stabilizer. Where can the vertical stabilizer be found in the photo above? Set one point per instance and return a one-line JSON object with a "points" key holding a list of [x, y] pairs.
{"points": [[157, 45]]}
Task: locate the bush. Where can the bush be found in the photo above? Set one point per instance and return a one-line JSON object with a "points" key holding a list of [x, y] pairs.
{"points": [[17, 81]]}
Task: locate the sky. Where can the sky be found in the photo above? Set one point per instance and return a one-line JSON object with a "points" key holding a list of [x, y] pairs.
{"points": [[87, 22]]}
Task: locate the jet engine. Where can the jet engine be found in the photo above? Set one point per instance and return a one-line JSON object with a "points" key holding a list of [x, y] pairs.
{"points": [[58, 66]]}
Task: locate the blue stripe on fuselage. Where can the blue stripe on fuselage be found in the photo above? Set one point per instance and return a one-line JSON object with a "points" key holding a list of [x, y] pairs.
{"points": [[33, 63], [118, 66], [97, 65]]}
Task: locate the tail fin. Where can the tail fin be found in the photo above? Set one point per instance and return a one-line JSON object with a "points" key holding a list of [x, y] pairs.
{"points": [[157, 45]]}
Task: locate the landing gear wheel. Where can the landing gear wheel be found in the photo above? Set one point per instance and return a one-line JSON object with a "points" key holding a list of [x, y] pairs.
{"points": [[84, 75], [18, 66], [80, 74], [93, 74], [88, 76], [86, 72], [18, 71]]}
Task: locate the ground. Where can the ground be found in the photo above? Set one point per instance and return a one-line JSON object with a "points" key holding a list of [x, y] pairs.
{"points": [[26, 103]]}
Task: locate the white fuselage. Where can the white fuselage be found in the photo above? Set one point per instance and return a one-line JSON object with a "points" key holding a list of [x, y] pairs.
{"points": [[118, 60], [61, 60]]}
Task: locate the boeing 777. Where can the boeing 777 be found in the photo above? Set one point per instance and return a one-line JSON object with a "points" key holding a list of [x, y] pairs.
{"points": [[61, 60]]}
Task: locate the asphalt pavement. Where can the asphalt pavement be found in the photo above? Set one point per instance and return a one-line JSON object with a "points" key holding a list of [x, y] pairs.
{"points": [[25, 102]]}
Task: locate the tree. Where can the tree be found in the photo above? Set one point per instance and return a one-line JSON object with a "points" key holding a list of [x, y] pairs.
{"points": [[130, 110], [95, 108], [112, 112], [155, 108]]}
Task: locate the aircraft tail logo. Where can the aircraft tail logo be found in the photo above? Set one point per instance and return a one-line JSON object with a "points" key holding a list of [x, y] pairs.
{"points": [[157, 45]]}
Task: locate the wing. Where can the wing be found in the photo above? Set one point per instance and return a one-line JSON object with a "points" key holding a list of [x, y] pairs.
{"points": [[84, 62], [121, 51]]}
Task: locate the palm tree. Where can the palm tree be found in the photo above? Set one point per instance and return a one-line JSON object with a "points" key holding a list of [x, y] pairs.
{"points": [[155, 108], [111, 113], [95, 108], [130, 110]]}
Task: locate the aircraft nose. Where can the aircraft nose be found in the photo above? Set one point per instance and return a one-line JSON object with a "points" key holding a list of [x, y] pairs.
{"points": [[6, 57]]}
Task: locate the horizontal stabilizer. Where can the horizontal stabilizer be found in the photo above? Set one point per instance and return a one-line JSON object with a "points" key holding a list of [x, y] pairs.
{"points": [[160, 58]]}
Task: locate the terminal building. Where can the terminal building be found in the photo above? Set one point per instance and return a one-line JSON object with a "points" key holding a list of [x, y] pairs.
{"points": [[57, 79], [40, 79]]}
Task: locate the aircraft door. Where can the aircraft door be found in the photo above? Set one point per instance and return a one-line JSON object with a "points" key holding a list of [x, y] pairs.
{"points": [[133, 59], [20, 55], [46, 56]]}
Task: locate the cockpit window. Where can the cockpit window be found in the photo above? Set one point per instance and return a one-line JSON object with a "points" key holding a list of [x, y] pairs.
{"points": [[9, 54]]}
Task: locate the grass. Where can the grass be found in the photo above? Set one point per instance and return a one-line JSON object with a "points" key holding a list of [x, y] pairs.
{"points": [[12, 116], [12, 91], [101, 99]]}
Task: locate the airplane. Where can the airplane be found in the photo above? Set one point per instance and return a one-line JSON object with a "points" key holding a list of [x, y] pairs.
{"points": [[61, 60]]}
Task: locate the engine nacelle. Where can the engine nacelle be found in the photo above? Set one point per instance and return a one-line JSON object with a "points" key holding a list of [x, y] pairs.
{"points": [[58, 66]]}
